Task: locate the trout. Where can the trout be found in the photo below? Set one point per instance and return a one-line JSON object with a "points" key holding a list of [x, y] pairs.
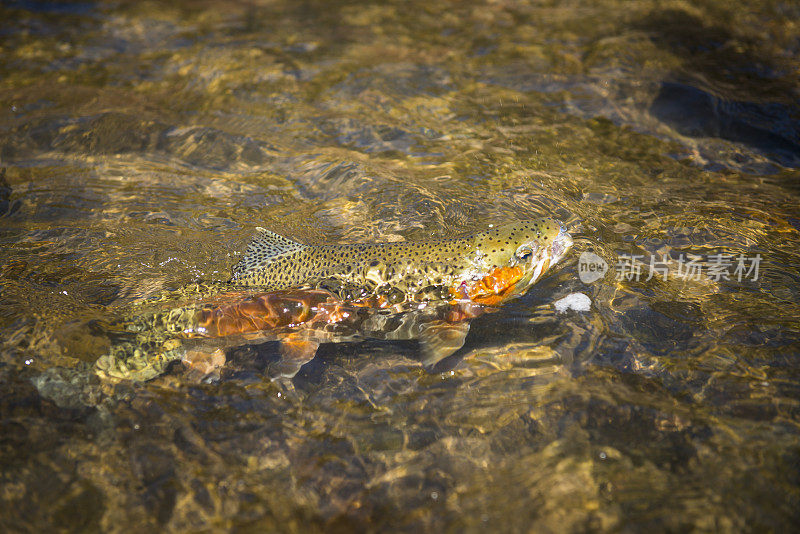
{"points": [[485, 268], [304, 295]]}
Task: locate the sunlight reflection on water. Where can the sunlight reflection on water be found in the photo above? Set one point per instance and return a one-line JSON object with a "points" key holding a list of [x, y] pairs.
{"points": [[143, 143]]}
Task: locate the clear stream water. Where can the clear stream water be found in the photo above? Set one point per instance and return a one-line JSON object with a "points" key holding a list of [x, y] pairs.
{"points": [[143, 142]]}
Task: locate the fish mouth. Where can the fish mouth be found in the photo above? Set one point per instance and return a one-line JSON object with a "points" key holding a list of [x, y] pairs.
{"points": [[560, 245]]}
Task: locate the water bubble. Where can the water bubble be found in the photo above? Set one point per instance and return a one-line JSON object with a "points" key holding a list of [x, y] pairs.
{"points": [[29, 361], [573, 301], [435, 495], [603, 456]]}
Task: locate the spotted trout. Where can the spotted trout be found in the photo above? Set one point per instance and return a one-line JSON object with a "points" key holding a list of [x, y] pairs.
{"points": [[303, 295], [485, 268]]}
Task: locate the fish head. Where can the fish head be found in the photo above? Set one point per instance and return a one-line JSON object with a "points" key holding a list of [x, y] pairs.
{"points": [[508, 259]]}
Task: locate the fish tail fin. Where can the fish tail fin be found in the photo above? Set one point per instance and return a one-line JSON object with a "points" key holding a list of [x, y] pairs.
{"points": [[265, 248]]}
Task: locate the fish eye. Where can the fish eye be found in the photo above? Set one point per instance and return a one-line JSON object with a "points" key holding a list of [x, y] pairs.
{"points": [[523, 253]]}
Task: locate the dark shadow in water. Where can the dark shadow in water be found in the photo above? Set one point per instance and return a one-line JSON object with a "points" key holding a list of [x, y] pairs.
{"points": [[7, 206], [51, 6], [250, 362], [726, 87], [768, 128], [32, 428]]}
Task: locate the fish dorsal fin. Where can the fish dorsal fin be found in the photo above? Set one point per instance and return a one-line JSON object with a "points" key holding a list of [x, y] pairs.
{"points": [[267, 246]]}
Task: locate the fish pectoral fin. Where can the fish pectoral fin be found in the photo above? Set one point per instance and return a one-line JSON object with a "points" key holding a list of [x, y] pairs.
{"points": [[296, 350], [440, 339], [203, 363]]}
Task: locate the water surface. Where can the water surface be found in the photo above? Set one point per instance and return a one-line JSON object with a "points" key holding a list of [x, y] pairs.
{"points": [[143, 142]]}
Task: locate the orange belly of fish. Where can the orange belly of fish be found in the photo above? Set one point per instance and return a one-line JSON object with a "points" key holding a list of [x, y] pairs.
{"points": [[264, 311], [241, 314], [492, 289]]}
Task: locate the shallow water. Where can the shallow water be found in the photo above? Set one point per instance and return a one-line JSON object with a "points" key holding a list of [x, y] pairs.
{"points": [[143, 142]]}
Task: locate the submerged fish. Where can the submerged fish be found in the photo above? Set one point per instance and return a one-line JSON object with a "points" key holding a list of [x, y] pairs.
{"points": [[304, 295], [485, 268]]}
